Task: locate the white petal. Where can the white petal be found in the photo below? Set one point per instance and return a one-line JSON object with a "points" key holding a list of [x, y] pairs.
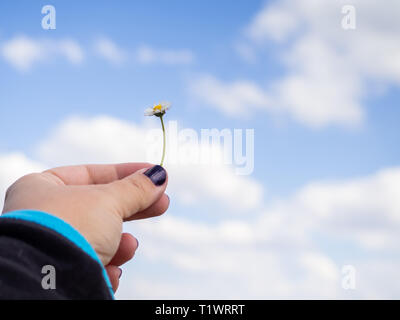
{"points": [[149, 112], [165, 106]]}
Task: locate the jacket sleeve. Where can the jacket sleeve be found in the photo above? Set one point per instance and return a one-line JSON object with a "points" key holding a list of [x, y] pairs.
{"points": [[43, 257]]}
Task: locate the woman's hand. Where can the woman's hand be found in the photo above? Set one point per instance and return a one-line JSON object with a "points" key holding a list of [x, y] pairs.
{"points": [[96, 200]]}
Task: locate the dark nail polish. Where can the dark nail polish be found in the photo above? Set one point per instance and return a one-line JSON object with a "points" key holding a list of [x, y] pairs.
{"points": [[157, 174], [120, 273]]}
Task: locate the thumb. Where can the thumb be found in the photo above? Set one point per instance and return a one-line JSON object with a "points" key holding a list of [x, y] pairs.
{"points": [[138, 191]]}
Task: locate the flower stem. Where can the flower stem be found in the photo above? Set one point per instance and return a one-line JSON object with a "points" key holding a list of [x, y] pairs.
{"points": [[164, 142]]}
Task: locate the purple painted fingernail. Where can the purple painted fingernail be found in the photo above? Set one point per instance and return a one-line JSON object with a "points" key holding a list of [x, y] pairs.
{"points": [[157, 175]]}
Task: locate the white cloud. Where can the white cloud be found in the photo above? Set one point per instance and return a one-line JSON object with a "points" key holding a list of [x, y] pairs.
{"points": [[349, 209], [23, 52], [240, 98], [321, 88], [329, 71], [276, 22], [365, 210], [146, 54], [70, 49], [109, 50], [328, 67], [105, 139], [277, 252]]}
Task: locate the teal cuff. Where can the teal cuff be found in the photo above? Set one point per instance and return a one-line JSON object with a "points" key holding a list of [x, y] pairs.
{"points": [[63, 228]]}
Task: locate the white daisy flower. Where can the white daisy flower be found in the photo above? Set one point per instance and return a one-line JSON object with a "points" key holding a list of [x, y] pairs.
{"points": [[158, 109]]}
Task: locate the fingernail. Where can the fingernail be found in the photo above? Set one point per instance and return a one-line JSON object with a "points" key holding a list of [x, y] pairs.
{"points": [[120, 273], [137, 246], [157, 175]]}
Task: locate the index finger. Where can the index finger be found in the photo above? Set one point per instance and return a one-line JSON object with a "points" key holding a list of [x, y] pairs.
{"points": [[96, 173]]}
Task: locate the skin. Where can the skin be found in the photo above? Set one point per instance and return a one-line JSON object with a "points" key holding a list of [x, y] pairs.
{"points": [[95, 200]]}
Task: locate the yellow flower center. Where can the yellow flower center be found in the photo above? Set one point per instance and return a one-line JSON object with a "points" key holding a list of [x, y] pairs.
{"points": [[157, 107]]}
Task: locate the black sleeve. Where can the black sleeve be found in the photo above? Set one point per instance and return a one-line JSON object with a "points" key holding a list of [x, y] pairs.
{"points": [[37, 262]]}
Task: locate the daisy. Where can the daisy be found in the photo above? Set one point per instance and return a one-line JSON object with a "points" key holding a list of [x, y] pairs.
{"points": [[159, 110]]}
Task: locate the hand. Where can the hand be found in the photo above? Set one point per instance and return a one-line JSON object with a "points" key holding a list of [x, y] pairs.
{"points": [[95, 200]]}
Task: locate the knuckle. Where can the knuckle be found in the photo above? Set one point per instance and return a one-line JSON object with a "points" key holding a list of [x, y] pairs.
{"points": [[24, 178], [140, 191], [132, 195], [8, 192]]}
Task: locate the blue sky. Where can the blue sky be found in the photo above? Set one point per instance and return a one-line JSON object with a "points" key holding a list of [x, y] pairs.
{"points": [[293, 148]]}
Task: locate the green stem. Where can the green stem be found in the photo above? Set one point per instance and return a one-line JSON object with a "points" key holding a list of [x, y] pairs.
{"points": [[163, 152]]}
